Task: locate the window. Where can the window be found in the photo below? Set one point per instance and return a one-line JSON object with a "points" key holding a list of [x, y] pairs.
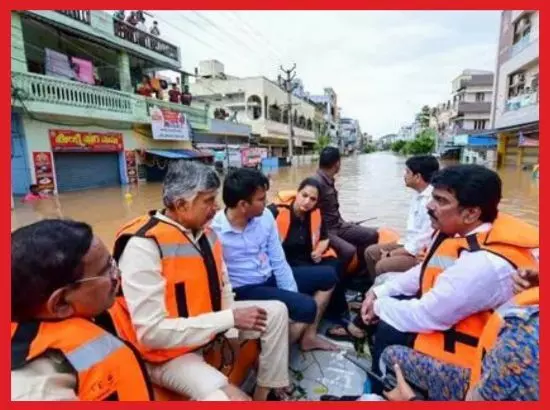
{"points": [[516, 84], [254, 107], [479, 124], [480, 97], [522, 28]]}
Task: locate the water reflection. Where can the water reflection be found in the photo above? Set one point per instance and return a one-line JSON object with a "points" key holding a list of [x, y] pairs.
{"points": [[369, 185]]}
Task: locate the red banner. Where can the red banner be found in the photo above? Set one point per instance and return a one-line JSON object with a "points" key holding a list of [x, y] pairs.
{"points": [[131, 167], [74, 141], [43, 171]]}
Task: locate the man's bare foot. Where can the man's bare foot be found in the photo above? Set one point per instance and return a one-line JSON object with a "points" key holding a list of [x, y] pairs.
{"points": [[315, 342]]}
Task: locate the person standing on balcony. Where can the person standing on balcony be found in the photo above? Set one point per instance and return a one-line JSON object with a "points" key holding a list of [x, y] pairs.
{"points": [[132, 19], [155, 29], [120, 15], [145, 88], [186, 96], [174, 94]]}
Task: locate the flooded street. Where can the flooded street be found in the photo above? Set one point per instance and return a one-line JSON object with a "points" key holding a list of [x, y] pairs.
{"points": [[369, 185]]}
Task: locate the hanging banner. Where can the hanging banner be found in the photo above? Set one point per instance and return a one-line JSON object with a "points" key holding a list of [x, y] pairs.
{"points": [[527, 142], [43, 171], [131, 167], [169, 125], [73, 141], [252, 157], [84, 69]]}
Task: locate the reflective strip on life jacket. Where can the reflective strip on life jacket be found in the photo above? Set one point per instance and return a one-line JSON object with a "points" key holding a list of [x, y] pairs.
{"points": [[93, 352], [513, 243], [192, 273], [106, 368]]}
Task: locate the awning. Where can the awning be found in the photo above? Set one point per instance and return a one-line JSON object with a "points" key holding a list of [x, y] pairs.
{"points": [[169, 154], [181, 153]]}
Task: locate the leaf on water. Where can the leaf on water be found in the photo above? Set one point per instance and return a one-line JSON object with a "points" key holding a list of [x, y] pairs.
{"points": [[320, 390]]}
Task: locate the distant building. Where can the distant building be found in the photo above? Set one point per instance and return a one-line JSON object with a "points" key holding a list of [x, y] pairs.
{"points": [[329, 101], [472, 92], [260, 103]]}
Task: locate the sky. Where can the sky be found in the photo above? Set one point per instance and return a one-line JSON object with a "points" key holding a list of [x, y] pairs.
{"points": [[383, 65]]}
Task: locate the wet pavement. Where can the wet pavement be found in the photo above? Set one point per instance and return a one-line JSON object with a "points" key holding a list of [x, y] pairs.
{"points": [[369, 186]]}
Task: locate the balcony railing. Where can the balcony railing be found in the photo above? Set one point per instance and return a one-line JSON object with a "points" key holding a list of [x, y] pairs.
{"points": [[79, 15], [105, 101], [520, 101], [521, 45], [41, 88], [134, 35]]}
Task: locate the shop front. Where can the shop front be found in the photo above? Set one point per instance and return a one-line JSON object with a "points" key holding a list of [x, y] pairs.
{"points": [[81, 160]]}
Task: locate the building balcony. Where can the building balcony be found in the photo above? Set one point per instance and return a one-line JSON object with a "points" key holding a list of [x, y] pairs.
{"points": [[281, 131], [223, 127], [40, 94], [463, 107], [103, 28], [518, 110], [521, 45], [79, 15], [144, 39]]}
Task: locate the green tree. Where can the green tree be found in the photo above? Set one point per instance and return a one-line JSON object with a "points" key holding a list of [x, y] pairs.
{"points": [[368, 148], [398, 145], [424, 143], [423, 117], [322, 142]]}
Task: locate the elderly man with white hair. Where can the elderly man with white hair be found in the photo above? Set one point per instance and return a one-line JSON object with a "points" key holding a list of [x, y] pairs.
{"points": [[177, 298]]}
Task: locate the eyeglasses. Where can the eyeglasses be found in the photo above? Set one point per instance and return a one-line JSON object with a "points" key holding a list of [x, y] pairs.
{"points": [[113, 273]]}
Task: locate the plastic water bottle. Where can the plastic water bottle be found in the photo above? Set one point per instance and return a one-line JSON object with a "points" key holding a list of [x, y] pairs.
{"points": [[367, 388]]}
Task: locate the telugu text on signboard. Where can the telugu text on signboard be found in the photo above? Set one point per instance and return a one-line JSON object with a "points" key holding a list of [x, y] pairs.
{"points": [[74, 141]]}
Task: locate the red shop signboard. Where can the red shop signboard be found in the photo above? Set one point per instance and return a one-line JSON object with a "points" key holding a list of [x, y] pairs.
{"points": [[74, 141]]}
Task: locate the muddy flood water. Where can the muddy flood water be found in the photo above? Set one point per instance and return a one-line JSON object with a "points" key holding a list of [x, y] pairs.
{"points": [[369, 186]]}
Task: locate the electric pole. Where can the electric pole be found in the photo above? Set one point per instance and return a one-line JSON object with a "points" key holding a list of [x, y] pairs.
{"points": [[289, 87]]}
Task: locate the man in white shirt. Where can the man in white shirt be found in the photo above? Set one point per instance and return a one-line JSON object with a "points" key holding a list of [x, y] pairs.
{"points": [[441, 306], [177, 297], [396, 257]]}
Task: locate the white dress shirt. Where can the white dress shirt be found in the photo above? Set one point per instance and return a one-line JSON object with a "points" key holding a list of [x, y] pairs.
{"points": [[477, 281], [144, 289], [419, 226]]}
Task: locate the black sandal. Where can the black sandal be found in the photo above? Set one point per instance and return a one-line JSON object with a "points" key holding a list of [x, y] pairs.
{"points": [[348, 337]]}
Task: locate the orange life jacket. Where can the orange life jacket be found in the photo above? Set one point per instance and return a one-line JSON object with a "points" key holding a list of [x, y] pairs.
{"points": [[509, 238], [283, 202], [193, 275], [107, 368], [494, 325]]}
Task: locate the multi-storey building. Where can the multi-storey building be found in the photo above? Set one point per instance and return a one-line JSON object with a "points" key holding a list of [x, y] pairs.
{"points": [[77, 121], [260, 103], [472, 92], [329, 101], [515, 114], [350, 133]]}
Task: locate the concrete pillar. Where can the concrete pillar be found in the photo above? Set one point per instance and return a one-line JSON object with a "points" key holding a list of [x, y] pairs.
{"points": [[124, 76], [519, 157], [18, 57], [501, 149]]}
